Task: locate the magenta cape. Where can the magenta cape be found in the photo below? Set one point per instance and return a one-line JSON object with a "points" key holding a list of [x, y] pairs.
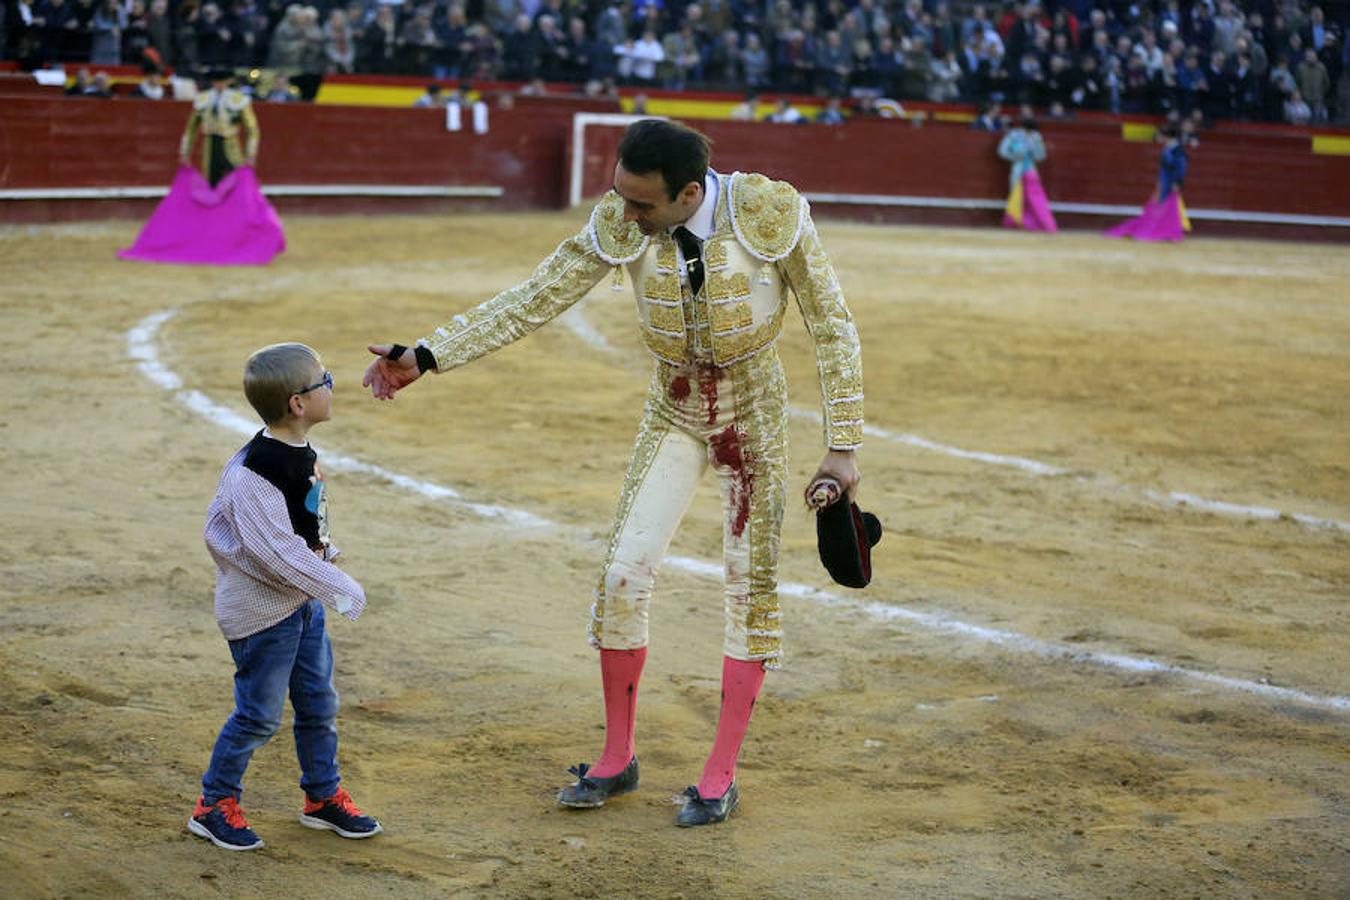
{"points": [[1161, 220], [1027, 207], [231, 224]]}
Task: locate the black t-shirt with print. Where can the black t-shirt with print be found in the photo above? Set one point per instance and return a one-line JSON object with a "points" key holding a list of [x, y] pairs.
{"points": [[295, 472]]}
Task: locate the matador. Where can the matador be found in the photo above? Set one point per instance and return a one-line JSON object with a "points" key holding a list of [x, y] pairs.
{"points": [[219, 115], [712, 259]]}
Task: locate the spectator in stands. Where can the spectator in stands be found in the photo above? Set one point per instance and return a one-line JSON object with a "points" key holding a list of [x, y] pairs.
{"points": [[602, 65], [431, 98], [722, 65], [1246, 96], [609, 27], [1137, 89], [100, 88], [519, 57], [784, 113], [1282, 81], [683, 61], [376, 47], [792, 48], [151, 86], [748, 109], [452, 37], [647, 53], [79, 84], [187, 60], [484, 55], [1296, 109], [339, 45], [418, 45], [1314, 84], [58, 23], [1191, 84], [918, 70], [576, 52], [550, 49], [135, 33], [863, 77], [159, 30], [989, 118], [832, 114], [833, 64], [793, 63], [945, 84], [1088, 92], [281, 90], [1216, 96], [22, 40], [1228, 26], [755, 63], [1029, 77], [1059, 80], [213, 38]]}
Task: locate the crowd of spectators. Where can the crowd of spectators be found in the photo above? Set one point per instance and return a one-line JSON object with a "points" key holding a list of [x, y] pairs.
{"points": [[1254, 59]]}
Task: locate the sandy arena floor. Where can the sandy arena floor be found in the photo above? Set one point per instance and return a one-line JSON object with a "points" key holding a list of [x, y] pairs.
{"points": [[998, 722]]}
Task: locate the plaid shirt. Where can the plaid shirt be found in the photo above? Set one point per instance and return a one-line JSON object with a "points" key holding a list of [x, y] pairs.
{"points": [[264, 570]]}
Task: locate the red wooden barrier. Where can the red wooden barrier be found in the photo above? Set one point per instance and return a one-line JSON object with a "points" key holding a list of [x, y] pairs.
{"points": [[63, 143]]}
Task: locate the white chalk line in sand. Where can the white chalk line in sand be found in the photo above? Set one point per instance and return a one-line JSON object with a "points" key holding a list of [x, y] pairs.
{"points": [[580, 326], [141, 346]]}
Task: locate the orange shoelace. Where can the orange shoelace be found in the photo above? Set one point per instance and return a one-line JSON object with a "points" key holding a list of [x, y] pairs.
{"points": [[234, 816], [344, 802]]}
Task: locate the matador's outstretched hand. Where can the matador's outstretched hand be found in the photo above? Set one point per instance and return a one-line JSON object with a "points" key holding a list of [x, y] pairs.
{"points": [[387, 376]]}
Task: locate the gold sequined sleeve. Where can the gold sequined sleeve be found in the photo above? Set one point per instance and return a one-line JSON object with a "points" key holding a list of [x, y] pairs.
{"points": [[560, 281], [250, 122], [189, 132], [838, 353]]}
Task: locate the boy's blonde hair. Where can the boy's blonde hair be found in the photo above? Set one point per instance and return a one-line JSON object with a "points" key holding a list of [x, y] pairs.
{"points": [[273, 374]]}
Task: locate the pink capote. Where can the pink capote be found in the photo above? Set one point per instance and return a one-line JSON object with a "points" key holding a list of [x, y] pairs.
{"points": [[1161, 220], [1028, 207], [231, 224]]}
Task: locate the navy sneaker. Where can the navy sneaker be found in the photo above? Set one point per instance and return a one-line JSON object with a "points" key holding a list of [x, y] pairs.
{"points": [[339, 813], [223, 824]]}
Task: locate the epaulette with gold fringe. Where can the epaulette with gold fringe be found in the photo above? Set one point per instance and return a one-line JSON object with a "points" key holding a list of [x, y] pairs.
{"points": [[617, 242], [766, 215]]}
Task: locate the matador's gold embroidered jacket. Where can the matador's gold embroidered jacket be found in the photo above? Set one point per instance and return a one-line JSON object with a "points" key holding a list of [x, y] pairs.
{"points": [[763, 245], [222, 114]]}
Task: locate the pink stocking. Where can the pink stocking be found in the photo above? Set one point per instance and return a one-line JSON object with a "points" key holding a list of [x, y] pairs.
{"points": [[620, 670], [741, 681]]}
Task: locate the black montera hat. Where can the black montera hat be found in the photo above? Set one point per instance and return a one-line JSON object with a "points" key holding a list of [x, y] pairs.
{"points": [[845, 536], [219, 73]]}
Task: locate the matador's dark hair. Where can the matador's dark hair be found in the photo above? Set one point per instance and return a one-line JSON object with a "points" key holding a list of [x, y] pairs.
{"points": [[678, 152]]}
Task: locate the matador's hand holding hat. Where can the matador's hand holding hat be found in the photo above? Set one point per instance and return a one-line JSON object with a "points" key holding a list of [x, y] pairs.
{"points": [[845, 536]]}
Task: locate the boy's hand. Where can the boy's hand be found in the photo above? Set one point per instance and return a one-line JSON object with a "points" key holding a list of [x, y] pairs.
{"points": [[386, 377]]}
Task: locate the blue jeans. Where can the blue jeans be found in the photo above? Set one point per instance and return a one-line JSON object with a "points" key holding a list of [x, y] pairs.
{"points": [[293, 654]]}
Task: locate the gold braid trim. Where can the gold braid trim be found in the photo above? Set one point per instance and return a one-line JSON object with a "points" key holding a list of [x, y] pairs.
{"points": [[761, 411], [649, 437]]}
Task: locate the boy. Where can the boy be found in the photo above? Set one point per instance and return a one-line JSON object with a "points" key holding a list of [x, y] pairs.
{"points": [[267, 530]]}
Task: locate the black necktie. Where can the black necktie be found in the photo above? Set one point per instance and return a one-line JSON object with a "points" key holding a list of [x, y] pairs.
{"points": [[693, 257]]}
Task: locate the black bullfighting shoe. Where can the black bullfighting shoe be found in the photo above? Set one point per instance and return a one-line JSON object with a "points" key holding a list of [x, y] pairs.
{"points": [[699, 810], [588, 792]]}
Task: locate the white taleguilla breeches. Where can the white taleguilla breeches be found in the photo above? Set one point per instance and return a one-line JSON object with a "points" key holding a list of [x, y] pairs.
{"points": [[733, 419]]}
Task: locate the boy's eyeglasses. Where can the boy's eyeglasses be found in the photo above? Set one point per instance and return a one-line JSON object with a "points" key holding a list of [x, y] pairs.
{"points": [[326, 382]]}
